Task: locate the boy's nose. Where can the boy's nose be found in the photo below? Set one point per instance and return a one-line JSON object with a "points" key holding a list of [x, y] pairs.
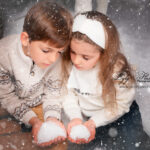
{"points": [[53, 57]]}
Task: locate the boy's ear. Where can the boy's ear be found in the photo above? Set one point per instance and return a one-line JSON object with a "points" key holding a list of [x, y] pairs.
{"points": [[24, 37]]}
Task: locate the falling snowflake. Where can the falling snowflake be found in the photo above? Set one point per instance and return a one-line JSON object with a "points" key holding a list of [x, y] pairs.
{"points": [[1, 147], [137, 144], [148, 90], [113, 132], [3, 125]]}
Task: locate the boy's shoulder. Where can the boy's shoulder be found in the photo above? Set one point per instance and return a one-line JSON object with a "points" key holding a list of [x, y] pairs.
{"points": [[8, 43], [10, 39]]}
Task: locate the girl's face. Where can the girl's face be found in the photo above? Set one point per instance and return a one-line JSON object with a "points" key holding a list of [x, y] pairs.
{"points": [[84, 56], [43, 54]]}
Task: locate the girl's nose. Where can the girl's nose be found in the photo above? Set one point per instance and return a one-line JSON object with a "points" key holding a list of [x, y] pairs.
{"points": [[77, 60]]}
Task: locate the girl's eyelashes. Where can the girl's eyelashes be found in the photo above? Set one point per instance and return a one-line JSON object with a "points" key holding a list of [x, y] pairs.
{"points": [[45, 51], [61, 52], [85, 58], [72, 51]]}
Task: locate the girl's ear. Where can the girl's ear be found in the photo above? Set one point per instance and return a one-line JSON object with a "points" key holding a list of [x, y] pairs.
{"points": [[24, 37]]}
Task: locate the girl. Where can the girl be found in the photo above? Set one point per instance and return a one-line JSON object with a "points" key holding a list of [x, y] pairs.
{"points": [[100, 85], [30, 67]]}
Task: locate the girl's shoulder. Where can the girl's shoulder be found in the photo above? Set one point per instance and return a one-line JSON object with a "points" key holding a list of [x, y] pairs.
{"points": [[7, 44], [122, 72]]}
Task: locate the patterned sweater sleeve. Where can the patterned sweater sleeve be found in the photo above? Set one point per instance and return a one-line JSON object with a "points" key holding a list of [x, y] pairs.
{"points": [[53, 90], [124, 99], [8, 98]]}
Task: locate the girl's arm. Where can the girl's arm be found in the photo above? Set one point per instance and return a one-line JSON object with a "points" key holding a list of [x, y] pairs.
{"points": [[124, 99], [71, 106]]}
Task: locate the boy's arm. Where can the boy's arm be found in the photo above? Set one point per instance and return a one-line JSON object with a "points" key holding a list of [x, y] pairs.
{"points": [[51, 107], [8, 98], [124, 99]]}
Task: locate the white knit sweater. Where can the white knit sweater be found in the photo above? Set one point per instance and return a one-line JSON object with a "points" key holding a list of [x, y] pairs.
{"points": [[24, 85], [85, 97]]}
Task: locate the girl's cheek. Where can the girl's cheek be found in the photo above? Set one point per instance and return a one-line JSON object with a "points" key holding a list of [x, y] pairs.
{"points": [[72, 57]]}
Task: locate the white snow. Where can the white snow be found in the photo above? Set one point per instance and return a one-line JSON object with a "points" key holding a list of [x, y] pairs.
{"points": [[49, 131], [3, 125], [79, 131], [1, 147], [137, 144], [113, 132], [13, 146], [97, 148], [83, 5], [148, 90]]}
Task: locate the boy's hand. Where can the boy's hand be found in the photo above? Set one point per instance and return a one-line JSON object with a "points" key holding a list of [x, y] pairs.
{"points": [[57, 139], [36, 124], [92, 129]]}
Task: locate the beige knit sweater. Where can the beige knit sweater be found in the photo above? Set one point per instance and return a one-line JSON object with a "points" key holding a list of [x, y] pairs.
{"points": [[24, 85]]}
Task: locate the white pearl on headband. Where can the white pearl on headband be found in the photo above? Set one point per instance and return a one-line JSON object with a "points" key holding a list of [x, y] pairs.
{"points": [[92, 28]]}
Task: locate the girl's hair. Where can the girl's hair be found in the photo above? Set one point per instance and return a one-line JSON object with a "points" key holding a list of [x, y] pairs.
{"points": [[111, 60], [47, 21]]}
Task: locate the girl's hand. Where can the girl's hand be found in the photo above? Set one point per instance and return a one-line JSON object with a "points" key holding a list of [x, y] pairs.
{"points": [[92, 129], [36, 124], [74, 122], [57, 139]]}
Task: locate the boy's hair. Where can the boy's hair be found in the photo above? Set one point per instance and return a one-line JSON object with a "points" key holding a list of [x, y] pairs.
{"points": [[110, 59], [47, 21]]}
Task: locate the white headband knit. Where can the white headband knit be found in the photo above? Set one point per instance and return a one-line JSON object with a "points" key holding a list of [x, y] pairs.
{"points": [[92, 28]]}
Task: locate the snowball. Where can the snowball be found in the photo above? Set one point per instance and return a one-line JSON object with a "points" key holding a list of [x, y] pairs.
{"points": [[49, 131], [79, 131], [113, 132]]}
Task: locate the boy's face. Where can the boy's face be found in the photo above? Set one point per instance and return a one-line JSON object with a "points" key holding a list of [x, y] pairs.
{"points": [[84, 56], [42, 53]]}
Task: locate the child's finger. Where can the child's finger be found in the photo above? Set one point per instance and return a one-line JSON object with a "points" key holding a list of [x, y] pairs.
{"points": [[81, 141], [71, 140]]}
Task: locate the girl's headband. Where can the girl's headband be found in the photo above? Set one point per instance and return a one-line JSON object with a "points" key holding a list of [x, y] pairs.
{"points": [[92, 28]]}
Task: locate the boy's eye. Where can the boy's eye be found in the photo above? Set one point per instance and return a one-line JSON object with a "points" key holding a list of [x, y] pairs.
{"points": [[61, 52], [45, 51]]}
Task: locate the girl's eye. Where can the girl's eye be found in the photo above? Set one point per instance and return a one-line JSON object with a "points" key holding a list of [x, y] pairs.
{"points": [[45, 51], [72, 52], [61, 52], [85, 58]]}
